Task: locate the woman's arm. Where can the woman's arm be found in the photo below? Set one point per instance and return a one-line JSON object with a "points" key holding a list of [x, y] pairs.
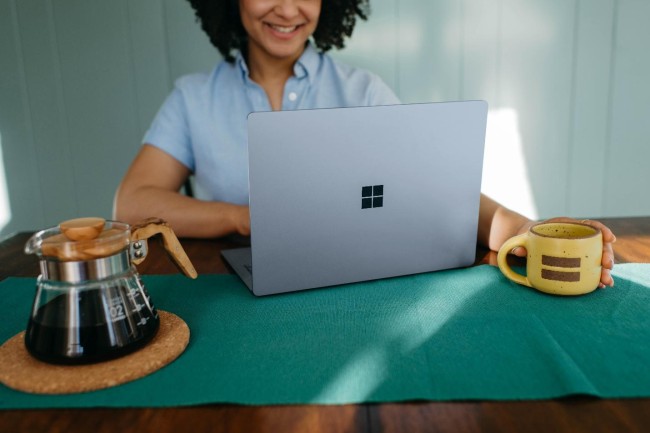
{"points": [[150, 189], [498, 224]]}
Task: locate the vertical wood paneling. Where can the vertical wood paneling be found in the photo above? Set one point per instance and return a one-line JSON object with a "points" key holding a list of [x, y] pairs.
{"points": [[505, 169], [80, 81], [148, 53], [628, 153], [589, 129], [16, 128], [98, 96], [481, 51], [535, 80], [430, 50], [188, 48], [628, 156], [49, 121], [374, 43]]}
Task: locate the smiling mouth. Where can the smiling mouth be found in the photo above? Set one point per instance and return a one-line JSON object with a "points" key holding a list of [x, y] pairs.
{"points": [[284, 29]]}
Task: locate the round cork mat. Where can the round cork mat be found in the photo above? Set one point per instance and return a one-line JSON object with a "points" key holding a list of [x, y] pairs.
{"points": [[21, 371]]}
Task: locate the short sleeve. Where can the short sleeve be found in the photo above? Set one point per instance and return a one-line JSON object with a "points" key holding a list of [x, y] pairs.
{"points": [[380, 93], [169, 130]]}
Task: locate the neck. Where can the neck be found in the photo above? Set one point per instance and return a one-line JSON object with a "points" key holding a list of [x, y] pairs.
{"points": [[265, 68], [270, 72]]}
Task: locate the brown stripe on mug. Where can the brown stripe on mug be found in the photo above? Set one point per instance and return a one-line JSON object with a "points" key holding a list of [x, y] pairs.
{"points": [[548, 274], [561, 262]]}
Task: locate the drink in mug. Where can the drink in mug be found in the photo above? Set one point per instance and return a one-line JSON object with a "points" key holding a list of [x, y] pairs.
{"points": [[562, 258]]}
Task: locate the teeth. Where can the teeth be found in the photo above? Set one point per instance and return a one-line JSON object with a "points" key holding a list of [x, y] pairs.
{"points": [[282, 29]]}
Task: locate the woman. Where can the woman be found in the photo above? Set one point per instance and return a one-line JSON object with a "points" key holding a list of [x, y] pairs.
{"points": [[270, 64]]}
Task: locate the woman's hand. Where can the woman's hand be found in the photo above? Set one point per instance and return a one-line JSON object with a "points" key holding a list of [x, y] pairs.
{"points": [[608, 251]]}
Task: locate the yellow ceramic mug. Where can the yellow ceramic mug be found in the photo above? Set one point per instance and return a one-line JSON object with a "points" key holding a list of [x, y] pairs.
{"points": [[562, 259]]}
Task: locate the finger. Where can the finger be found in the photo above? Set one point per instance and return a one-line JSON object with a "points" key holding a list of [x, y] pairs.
{"points": [[606, 278], [608, 256], [519, 252]]}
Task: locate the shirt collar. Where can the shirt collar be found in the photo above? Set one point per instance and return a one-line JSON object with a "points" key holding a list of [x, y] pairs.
{"points": [[307, 65], [243, 67]]}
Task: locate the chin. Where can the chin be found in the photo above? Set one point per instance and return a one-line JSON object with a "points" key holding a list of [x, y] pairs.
{"points": [[286, 52]]}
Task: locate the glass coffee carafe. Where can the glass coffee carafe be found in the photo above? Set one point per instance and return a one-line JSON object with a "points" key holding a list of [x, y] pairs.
{"points": [[90, 303]]}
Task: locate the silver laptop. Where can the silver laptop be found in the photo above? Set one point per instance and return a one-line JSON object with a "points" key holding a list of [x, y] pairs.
{"points": [[353, 194]]}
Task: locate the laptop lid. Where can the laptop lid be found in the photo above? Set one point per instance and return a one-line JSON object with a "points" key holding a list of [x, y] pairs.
{"points": [[351, 194]]}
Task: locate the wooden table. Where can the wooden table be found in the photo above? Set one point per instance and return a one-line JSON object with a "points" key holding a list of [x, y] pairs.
{"points": [[563, 415]]}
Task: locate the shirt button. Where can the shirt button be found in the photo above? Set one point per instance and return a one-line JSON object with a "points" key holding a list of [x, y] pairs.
{"points": [[293, 96]]}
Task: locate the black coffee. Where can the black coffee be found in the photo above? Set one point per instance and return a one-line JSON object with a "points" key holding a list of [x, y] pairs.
{"points": [[54, 335]]}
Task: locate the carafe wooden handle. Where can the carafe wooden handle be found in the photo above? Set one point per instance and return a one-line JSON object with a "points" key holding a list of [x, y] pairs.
{"points": [[153, 226]]}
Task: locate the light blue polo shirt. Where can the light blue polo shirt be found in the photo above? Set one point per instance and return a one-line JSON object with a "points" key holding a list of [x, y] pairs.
{"points": [[202, 123]]}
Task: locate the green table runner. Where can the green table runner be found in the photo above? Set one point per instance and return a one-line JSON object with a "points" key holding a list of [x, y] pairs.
{"points": [[460, 334]]}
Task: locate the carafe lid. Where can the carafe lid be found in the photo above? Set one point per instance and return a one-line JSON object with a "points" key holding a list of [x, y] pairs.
{"points": [[80, 239]]}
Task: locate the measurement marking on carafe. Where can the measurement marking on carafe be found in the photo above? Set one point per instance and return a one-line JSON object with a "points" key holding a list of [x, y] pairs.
{"points": [[133, 293], [138, 307], [116, 310], [75, 349]]}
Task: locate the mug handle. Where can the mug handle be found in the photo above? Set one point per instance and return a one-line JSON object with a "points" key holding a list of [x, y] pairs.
{"points": [[509, 245]]}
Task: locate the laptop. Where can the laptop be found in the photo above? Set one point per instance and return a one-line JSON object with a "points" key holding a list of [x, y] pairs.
{"points": [[343, 195]]}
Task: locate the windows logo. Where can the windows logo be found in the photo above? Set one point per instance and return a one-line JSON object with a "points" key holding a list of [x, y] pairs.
{"points": [[372, 196]]}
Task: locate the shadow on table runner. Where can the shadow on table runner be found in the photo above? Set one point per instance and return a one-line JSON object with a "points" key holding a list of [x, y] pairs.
{"points": [[451, 335]]}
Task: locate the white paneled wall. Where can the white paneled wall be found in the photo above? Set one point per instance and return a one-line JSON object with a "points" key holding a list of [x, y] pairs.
{"points": [[566, 80]]}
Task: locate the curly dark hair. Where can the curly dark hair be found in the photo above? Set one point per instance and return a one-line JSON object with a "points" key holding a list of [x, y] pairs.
{"points": [[221, 22]]}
